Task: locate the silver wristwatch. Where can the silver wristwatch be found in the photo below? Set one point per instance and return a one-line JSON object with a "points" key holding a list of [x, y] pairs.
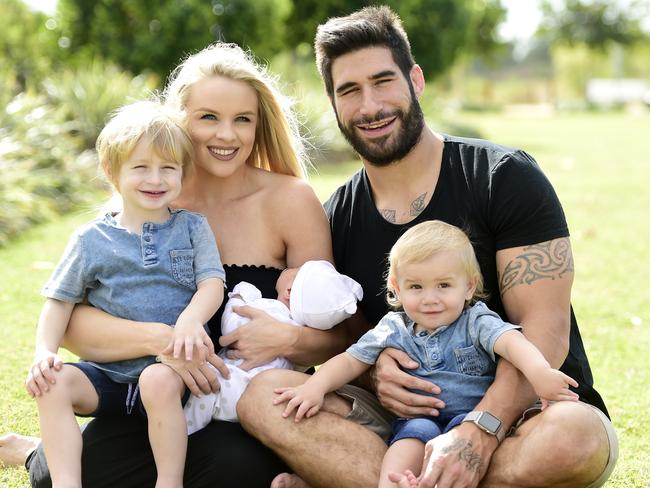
{"points": [[486, 422]]}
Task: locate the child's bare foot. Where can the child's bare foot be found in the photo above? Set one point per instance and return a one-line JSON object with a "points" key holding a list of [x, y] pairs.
{"points": [[286, 480], [404, 480], [15, 448]]}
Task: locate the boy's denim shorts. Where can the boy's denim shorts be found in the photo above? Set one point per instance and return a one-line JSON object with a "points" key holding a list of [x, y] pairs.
{"points": [[422, 428], [115, 399]]}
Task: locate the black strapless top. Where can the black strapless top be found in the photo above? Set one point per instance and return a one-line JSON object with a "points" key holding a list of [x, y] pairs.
{"points": [[263, 277]]}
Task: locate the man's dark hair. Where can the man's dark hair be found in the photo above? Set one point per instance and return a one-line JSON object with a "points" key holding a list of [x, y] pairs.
{"points": [[368, 27]]}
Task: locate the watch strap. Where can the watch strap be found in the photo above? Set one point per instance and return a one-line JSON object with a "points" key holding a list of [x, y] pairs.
{"points": [[476, 417]]}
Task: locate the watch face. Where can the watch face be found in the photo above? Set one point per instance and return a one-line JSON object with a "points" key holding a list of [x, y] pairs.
{"points": [[490, 422]]}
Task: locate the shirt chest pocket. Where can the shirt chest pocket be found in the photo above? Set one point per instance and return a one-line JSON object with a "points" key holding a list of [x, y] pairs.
{"points": [[183, 266], [471, 362]]}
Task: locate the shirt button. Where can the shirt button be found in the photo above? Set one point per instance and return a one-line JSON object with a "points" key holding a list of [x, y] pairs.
{"points": [[147, 239]]}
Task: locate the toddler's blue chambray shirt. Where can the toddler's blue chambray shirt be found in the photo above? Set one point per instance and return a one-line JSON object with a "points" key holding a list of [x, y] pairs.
{"points": [[459, 357], [147, 278]]}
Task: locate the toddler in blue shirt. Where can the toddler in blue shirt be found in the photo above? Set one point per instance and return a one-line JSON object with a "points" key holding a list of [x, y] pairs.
{"points": [[146, 263], [435, 278]]}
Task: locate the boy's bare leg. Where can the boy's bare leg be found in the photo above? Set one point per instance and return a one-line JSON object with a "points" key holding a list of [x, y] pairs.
{"points": [[325, 450], [72, 392], [405, 454], [564, 446], [16, 448], [161, 390]]}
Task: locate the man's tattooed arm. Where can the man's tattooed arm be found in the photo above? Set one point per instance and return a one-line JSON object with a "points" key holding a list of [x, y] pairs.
{"points": [[547, 260]]}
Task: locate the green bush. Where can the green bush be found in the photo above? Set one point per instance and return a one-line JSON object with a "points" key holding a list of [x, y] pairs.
{"points": [[46, 143]]}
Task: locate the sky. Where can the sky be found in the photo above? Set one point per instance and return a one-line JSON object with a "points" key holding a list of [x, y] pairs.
{"points": [[523, 18]]}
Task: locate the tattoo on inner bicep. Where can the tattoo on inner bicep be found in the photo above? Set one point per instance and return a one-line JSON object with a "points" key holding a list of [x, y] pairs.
{"points": [[548, 260], [465, 453], [388, 214], [418, 205]]}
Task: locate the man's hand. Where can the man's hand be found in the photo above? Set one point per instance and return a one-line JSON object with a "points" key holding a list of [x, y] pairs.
{"points": [[392, 386], [457, 459], [197, 374], [259, 341], [41, 373]]}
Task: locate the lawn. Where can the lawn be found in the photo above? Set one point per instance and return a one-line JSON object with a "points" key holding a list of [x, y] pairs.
{"points": [[598, 164]]}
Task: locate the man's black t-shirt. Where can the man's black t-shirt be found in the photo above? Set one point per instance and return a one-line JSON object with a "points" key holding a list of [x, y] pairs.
{"points": [[497, 195]]}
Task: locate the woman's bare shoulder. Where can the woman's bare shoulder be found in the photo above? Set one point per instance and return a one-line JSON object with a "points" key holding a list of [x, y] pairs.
{"points": [[284, 189], [296, 217]]}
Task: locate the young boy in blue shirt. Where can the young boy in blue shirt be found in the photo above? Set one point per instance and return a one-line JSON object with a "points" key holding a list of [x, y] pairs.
{"points": [[146, 263]]}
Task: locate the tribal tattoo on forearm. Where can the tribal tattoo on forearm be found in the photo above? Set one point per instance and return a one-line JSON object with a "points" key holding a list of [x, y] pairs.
{"points": [[548, 260], [463, 448]]}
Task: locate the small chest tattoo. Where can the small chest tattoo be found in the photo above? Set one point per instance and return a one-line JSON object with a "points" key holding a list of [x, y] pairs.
{"points": [[416, 207]]}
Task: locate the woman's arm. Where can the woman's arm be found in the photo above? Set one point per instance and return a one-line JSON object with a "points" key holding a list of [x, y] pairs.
{"points": [[295, 214], [307, 236], [264, 338], [95, 335]]}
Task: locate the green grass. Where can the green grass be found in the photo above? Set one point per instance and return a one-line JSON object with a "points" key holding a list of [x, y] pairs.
{"points": [[598, 165]]}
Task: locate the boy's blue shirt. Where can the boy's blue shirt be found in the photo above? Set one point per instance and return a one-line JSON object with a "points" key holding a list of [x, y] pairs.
{"points": [[459, 357], [146, 278]]}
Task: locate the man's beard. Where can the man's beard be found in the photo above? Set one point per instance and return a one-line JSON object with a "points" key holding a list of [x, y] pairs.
{"points": [[381, 152]]}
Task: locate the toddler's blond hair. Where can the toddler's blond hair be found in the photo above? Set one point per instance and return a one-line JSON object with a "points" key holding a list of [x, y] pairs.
{"points": [[423, 241]]}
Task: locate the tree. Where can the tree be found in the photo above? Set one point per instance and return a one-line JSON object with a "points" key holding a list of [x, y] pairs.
{"points": [[585, 33], [596, 23], [154, 35], [27, 49], [439, 30]]}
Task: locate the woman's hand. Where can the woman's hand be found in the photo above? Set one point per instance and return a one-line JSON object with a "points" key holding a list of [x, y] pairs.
{"points": [[392, 386], [41, 373], [260, 340], [197, 375]]}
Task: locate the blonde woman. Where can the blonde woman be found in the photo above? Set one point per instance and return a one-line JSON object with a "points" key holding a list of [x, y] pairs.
{"points": [[249, 182]]}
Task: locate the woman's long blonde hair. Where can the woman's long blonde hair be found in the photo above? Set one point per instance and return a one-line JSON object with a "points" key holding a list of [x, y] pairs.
{"points": [[278, 147]]}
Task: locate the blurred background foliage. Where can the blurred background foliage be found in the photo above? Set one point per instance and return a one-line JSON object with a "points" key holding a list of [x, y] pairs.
{"points": [[62, 73]]}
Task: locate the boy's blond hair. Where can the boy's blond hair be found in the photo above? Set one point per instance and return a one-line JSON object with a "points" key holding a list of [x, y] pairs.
{"points": [[423, 241], [130, 123], [279, 146]]}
